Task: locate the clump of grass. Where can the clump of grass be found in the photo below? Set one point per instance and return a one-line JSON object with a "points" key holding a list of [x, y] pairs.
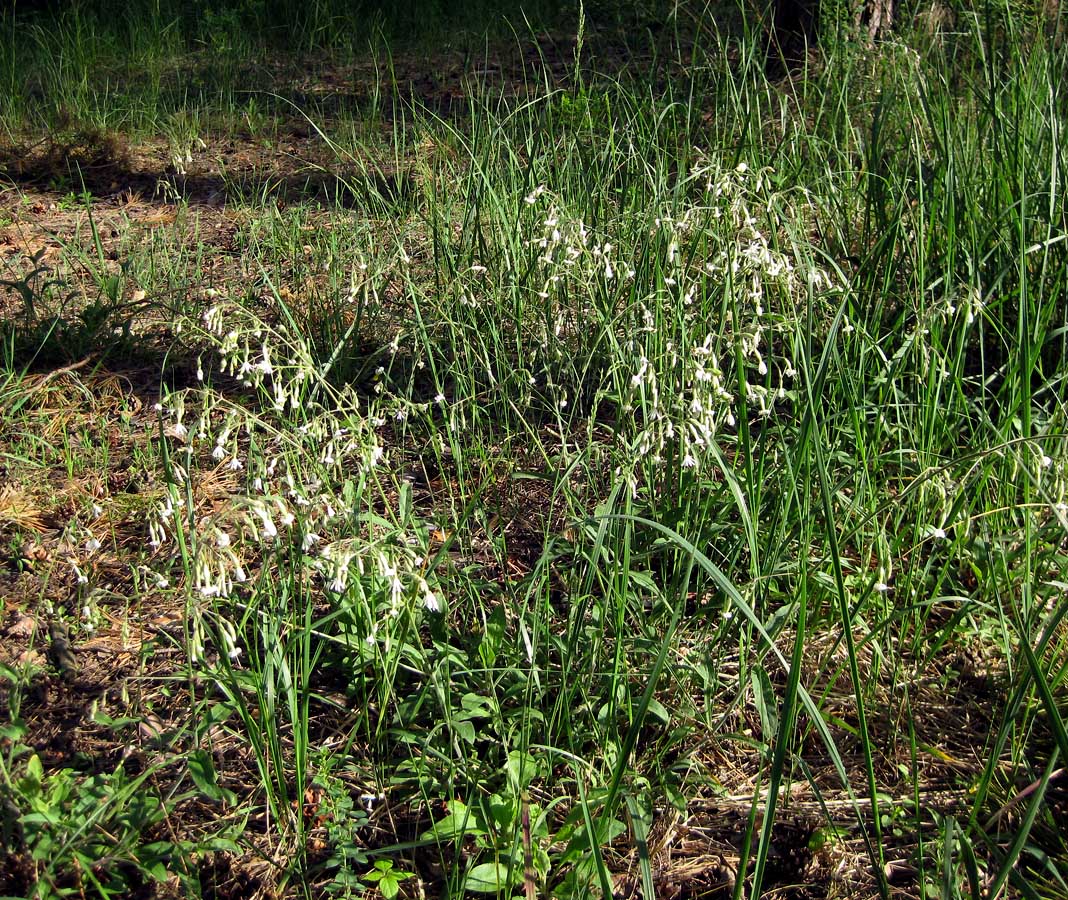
{"points": [[645, 467]]}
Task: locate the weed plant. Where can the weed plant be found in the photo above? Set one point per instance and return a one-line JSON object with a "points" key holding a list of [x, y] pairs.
{"points": [[663, 456]]}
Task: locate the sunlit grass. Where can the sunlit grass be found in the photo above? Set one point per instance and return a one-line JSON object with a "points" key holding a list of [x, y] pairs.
{"points": [[677, 465]]}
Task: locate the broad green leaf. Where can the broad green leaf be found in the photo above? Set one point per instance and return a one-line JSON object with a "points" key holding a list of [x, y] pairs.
{"points": [[490, 645], [487, 878], [202, 771]]}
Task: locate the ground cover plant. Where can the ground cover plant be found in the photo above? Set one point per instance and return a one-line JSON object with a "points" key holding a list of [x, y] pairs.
{"points": [[529, 452]]}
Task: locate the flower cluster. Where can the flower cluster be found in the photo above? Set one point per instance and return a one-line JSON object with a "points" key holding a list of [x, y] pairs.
{"points": [[273, 490]]}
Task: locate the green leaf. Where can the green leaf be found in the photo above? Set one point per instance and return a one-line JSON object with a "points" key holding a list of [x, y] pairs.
{"points": [[766, 704], [389, 886], [520, 768], [465, 729], [14, 732], [502, 810], [460, 821], [657, 711], [202, 771], [30, 783], [490, 645], [487, 878], [579, 846]]}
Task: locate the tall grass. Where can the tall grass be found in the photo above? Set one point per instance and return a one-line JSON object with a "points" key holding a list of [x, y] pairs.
{"points": [[651, 441]]}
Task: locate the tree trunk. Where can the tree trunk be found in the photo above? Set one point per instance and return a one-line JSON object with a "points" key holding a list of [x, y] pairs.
{"points": [[793, 28], [875, 17]]}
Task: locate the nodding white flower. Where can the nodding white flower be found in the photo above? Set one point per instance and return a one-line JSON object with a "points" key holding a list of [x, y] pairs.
{"points": [[234, 653], [1045, 461], [938, 532], [239, 575], [287, 518], [158, 407], [881, 586], [210, 590], [257, 483], [268, 529], [200, 371], [162, 583], [337, 586], [478, 269], [376, 454], [400, 415], [264, 365], [82, 579], [689, 461], [98, 511], [235, 465], [92, 545], [439, 398], [218, 453], [430, 600], [309, 541], [563, 402], [222, 539]]}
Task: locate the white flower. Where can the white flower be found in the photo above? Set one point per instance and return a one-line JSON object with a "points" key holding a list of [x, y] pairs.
{"points": [[82, 579], [337, 585], [938, 532], [268, 529], [430, 601], [1046, 461], [882, 587], [309, 541], [234, 653], [222, 539], [98, 511], [439, 398], [92, 545], [218, 453], [689, 461], [235, 465]]}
